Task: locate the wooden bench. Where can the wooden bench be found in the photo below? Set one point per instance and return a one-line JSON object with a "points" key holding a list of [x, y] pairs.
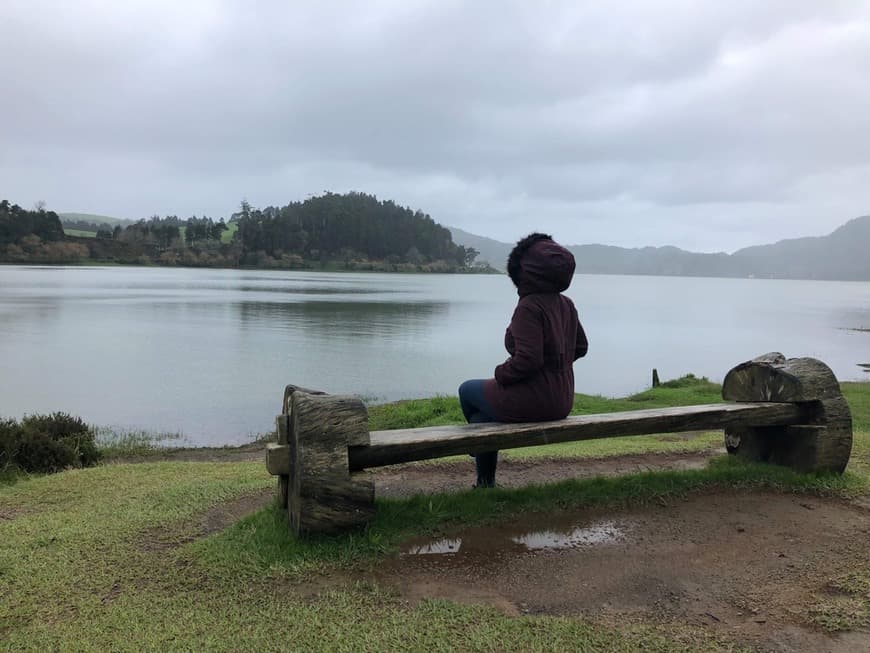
{"points": [[786, 412]]}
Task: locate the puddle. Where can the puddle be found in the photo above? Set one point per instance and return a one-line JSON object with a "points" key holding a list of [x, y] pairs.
{"points": [[493, 542], [439, 547], [598, 534]]}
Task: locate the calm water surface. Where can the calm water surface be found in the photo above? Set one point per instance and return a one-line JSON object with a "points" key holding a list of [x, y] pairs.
{"points": [[207, 352]]}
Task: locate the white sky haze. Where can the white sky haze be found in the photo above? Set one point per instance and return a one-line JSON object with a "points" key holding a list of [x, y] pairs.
{"points": [[706, 125]]}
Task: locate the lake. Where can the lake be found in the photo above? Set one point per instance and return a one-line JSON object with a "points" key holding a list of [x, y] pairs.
{"points": [[207, 353]]}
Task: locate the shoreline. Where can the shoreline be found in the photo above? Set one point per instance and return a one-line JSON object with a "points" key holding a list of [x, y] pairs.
{"points": [[489, 271], [115, 264]]}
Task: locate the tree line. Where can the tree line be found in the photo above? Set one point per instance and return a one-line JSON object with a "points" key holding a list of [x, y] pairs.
{"points": [[17, 223], [34, 236], [346, 228], [352, 231]]}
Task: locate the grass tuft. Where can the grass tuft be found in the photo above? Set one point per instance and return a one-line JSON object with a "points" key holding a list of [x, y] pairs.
{"points": [[118, 443], [847, 603], [260, 544]]}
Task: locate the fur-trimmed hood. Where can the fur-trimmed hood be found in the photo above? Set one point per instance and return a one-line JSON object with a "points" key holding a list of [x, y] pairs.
{"points": [[546, 268]]}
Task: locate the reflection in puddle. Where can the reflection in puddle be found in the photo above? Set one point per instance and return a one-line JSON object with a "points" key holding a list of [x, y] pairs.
{"points": [[603, 533], [439, 546], [492, 541]]}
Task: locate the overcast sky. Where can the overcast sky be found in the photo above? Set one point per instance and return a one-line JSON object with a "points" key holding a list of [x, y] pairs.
{"points": [[706, 125]]}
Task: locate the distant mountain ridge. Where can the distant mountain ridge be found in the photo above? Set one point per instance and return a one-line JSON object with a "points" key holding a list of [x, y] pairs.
{"points": [[842, 255]]}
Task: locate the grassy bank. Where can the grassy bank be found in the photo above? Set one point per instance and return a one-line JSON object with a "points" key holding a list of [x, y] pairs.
{"points": [[115, 558]]}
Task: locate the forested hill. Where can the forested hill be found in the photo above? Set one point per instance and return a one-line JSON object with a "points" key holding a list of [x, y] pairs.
{"points": [[17, 223], [353, 231], [841, 255], [34, 235], [352, 226], [91, 222]]}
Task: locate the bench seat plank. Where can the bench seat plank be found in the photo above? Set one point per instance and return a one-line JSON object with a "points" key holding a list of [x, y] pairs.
{"points": [[406, 445]]}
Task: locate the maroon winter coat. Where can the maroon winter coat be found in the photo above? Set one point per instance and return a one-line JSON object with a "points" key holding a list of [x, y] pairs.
{"points": [[544, 339]]}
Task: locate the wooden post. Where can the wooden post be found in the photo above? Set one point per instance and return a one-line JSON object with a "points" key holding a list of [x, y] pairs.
{"points": [[655, 378], [822, 443], [315, 483], [278, 456]]}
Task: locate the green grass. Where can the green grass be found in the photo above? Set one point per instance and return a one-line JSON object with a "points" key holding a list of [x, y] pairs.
{"points": [[91, 217], [96, 560], [71, 537], [858, 396], [118, 443], [80, 233], [685, 391], [232, 228], [226, 236], [244, 617], [109, 558], [259, 543], [847, 603], [438, 411], [414, 413]]}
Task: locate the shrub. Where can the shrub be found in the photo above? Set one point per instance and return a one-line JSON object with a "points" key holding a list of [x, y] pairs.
{"points": [[8, 431], [47, 443], [685, 381]]}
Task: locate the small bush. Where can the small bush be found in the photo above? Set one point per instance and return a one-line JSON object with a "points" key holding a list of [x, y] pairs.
{"points": [[47, 443], [687, 381]]}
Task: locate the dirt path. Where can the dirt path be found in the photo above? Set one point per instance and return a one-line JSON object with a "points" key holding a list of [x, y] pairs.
{"points": [[748, 566], [430, 478]]}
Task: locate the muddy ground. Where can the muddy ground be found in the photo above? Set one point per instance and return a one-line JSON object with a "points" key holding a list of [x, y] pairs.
{"points": [[750, 567], [747, 566]]}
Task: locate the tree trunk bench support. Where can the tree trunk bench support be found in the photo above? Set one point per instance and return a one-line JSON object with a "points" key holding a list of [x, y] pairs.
{"points": [[788, 412]]}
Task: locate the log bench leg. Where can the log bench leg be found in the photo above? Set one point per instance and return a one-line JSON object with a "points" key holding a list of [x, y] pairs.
{"points": [[822, 444], [282, 426], [315, 484]]}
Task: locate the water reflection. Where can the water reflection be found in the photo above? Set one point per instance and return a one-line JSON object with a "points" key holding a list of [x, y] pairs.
{"points": [[342, 319], [604, 533], [21, 317], [207, 352], [438, 547], [547, 532], [315, 290], [855, 318]]}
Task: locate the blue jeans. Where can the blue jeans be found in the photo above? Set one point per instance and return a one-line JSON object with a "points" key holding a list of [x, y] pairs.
{"points": [[477, 410]]}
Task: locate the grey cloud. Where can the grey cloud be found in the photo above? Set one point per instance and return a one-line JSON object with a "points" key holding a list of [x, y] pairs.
{"points": [[599, 120]]}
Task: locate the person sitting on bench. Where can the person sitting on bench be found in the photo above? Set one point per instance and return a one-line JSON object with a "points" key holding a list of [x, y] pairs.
{"points": [[544, 338]]}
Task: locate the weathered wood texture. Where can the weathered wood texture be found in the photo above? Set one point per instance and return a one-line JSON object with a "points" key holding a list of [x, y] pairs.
{"points": [[821, 442], [790, 412], [772, 377], [323, 496], [288, 393], [280, 461], [277, 458], [405, 445]]}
